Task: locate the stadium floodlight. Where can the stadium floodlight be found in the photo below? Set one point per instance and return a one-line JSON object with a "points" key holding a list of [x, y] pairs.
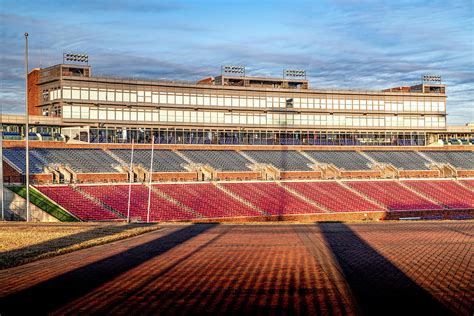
{"points": [[431, 78], [233, 70], [81, 58], [294, 73]]}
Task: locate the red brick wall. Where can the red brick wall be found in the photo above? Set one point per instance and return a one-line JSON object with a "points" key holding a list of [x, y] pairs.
{"points": [[238, 175], [174, 176], [465, 173], [419, 173], [300, 175], [361, 174], [34, 93], [101, 177]]}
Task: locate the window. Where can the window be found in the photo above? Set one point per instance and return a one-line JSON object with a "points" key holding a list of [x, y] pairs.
{"points": [[66, 111], [141, 96], [66, 93], [84, 112], [93, 94], [102, 95], [111, 114], [110, 95], [76, 93], [84, 94], [118, 95], [93, 113], [76, 112]]}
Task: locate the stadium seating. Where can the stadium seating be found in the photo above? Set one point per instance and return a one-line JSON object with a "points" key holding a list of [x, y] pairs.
{"points": [[272, 198], [346, 159], [16, 156], [469, 183], [207, 200], [116, 196], [79, 160], [285, 160], [226, 160], [163, 160], [77, 204], [405, 160], [447, 192], [333, 196], [458, 159], [393, 195]]}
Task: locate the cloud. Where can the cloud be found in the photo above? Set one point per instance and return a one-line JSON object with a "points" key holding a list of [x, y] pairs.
{"points": [[342, 44]]}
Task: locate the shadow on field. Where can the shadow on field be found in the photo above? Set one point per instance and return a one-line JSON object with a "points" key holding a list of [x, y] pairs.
{"points": [[17, 256], [51, 294], [378, 286]]}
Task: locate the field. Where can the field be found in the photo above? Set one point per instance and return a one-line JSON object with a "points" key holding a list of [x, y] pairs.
{"points": [[386, 268], [21, 242]]}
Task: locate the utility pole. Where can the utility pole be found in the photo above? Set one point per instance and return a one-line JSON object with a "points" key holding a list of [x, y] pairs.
{"points": [[27, 133]]}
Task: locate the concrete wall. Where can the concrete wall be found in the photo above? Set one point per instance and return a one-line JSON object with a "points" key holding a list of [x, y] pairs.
{"points": [[17, 205]]}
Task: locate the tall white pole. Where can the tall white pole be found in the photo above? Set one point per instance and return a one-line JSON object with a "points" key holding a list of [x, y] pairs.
{"points": [[150, 179], [130, 184], [1, 172], [27, 133]]}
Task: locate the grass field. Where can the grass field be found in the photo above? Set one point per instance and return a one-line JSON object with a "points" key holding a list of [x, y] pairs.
{"points": [[25, 242]]}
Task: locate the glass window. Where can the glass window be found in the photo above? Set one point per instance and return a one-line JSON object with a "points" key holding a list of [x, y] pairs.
{"points": [[133, 96], [126, 114], [118, 114], [118, 95], [76, 93], [110, 95], [93, 94], [67, 111], [141, 115], [111, 114], [84, 94], [148, 96], [102, 95], [179, 99], [66, 93], [93, 113], [84, 112], [126, 96], [155, 98], [148, 116], [171, 98], [133, 115], [102, 114]]}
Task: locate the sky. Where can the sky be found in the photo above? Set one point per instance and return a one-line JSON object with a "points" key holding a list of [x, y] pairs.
{"points": [[365, 44]]}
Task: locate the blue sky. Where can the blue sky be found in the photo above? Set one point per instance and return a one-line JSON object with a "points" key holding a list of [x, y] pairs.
{"points": [[341, 44]]}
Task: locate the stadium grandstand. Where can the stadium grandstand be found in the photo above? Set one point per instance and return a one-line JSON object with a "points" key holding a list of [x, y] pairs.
{"points": [[234, 148]]}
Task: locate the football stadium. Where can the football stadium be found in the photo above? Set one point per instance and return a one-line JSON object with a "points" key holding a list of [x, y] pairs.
{"points": [[262, 195]]}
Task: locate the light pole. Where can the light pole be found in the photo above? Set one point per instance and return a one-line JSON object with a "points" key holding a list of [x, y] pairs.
{"points": [[150, 179], [1, 171], [130, 184], [27, 134]]}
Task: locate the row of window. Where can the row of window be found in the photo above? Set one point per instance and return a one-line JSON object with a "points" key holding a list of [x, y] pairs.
{"points": [[213, 117], [125, 96]]}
